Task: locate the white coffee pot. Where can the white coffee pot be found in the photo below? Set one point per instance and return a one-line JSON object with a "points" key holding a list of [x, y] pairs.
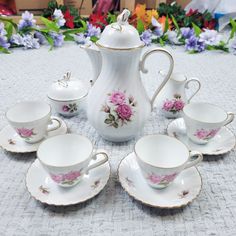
{"points": [[118, 105], [172, 99]]}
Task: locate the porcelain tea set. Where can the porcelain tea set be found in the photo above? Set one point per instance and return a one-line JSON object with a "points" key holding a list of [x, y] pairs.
{"points": [[160, 171]]}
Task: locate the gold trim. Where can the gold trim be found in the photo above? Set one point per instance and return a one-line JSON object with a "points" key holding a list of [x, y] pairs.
{"points": [[119, 49], [156, 206], [225, 151], [63, 205], [4, 148]]}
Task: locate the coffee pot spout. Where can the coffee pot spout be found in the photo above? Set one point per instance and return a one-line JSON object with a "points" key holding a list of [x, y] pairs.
{"points": [[95, 57]]}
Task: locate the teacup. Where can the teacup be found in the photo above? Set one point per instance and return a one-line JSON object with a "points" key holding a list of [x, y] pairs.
{"points": [[161, 158], [204, 120], [32, 120], [68, 157]]}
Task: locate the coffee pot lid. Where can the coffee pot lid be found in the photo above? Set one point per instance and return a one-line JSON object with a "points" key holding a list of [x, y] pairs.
{"points": [[120, 35], [67, 89]]}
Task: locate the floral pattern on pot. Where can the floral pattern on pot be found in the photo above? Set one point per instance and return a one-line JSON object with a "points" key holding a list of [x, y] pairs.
{"points": [[119, 109], [204, 134], [175, 105], [25, 133], [68, 179], [161, 179], [70, 108]]}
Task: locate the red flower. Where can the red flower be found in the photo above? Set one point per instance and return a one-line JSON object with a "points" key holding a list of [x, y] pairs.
{"points": [[69, 20], [210, 24], [98, 20], [192, 12]]}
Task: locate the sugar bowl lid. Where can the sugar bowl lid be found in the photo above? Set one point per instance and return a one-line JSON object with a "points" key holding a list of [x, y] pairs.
{"points": [[67, 89], [120, 35]]}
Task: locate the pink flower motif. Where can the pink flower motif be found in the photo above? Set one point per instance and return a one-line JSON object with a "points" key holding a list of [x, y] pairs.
{"points": [[117, 98], [25, 133], [124, 112], [206, 134], [57, 178], [168, 105], [155, 179], [178, 105], [169, 178], [65, 108], [164, 179]]}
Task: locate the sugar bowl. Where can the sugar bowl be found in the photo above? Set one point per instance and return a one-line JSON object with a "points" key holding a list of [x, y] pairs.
{"points": [[67, 94]]}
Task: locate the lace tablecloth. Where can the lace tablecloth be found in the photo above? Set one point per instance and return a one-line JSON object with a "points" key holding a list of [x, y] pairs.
{"points": [[26, 75]]}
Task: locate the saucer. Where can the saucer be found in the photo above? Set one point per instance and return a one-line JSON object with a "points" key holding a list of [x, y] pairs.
{"points": [[10, 140], [44, 189], [185, 188], [223, 142]]}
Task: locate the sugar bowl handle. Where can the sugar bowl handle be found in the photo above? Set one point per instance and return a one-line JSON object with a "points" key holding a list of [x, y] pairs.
{"points": [[192, 80], [167, 76]]}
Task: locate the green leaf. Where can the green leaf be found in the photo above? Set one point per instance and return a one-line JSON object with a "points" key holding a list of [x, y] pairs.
{"points": [[50, 24], [108, 121], [115, 125], [175, 24], [233, 24], [9, 28], [166, 24], [94, 39], [69, 37], [4, 50], [197, 30], [84, 24], [50, 40], [111, 117], [162, 42], [5, 19], [73, 31], [140, 26]]}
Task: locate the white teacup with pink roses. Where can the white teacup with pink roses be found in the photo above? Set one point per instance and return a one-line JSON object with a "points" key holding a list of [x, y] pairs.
{"points": [[204, 120], [32, 120], [161, 158]]}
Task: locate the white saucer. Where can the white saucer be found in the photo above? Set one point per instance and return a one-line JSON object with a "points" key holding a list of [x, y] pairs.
{"points": [[185, 188], [223, 142], [42, 188], [10, 140]]}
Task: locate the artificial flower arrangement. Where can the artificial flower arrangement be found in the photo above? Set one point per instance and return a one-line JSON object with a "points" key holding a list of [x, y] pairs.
{"points": [[169, 24]]}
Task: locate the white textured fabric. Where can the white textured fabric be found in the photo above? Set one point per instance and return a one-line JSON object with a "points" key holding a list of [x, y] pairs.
{"points": [[26, 75]]}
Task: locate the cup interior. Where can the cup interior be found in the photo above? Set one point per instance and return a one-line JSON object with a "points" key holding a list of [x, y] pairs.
{"points": [[205, 112], [65, 150], [161, 151], [28, 111]]}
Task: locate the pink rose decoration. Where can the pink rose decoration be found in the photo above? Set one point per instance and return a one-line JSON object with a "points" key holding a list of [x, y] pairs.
{"points": [[57, 178], [25, 133], [71, 176], [206, 134], [169, 178], [65, 108], [117, 98], [168, 105], [124, 112], [179, 105], [155, 179]]}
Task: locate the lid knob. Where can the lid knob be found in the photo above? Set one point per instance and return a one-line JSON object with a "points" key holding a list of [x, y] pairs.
{"points": [[123, 17]]}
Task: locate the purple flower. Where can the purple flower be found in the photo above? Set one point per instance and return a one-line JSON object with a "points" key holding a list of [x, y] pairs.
{"points": [[92, 31], [81, 39], [173, 37], [3, 32], [59, 17], [187, 32], [157, 27], [210, 37], [194, 44], [3, 42], [233, 46], [146, 37], [27, 20], [40, 37], [58, 39], [28, 41]]}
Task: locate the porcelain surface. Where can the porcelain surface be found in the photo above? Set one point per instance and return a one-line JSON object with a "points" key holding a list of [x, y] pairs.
{"points": [[185, 188], [12, 142], [223, 142], [42, 188]]}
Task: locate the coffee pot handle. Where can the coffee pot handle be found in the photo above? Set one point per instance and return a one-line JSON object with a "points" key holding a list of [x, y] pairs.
{"points": [[167, 76], [186, 86]]}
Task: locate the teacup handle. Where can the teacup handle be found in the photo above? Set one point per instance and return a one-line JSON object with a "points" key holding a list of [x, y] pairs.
{"points": [[56, 127], [230, 118], [167, 76], [98, 163], [195, 161], [186, 86]]}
